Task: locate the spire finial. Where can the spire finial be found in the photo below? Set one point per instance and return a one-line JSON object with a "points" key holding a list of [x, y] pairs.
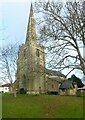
{"points": [[31, 9]]}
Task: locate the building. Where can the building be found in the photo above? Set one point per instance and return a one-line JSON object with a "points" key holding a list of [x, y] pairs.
{"points": [[81, 91], [6, 88], [68, 87], [31, 61], [32, 76], [53, 81]]}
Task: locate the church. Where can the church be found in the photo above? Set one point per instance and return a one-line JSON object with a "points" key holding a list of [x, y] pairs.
{"points": [[32, 76]]}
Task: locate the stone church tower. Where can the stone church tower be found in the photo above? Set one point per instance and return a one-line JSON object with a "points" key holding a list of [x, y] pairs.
{"points": [[31, 62]]}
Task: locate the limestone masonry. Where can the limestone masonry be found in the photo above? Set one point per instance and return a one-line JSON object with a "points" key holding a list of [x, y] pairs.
{"points": [[32, 76]]}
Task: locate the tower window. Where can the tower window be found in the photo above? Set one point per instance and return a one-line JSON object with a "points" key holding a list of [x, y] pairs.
{"points": [[24, 76], [24, 51], [37, 52]]}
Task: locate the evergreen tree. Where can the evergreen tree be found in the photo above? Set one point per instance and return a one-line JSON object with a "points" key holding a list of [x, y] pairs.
{"points": [[77, 80]]}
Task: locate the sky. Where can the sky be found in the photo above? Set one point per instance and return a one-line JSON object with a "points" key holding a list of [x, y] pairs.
{"points": [[13, 20], [14, 16]]}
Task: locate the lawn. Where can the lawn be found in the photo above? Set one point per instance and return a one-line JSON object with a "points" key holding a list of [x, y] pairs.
{"points": [[42, 106]]}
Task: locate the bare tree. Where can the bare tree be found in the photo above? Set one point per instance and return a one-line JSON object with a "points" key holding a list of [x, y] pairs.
{"points": [[8, 66], [62, 29]]}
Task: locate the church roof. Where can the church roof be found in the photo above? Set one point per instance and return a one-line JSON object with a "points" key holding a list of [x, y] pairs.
{"points": [[53, 72], [6, 85], [66, 84]]}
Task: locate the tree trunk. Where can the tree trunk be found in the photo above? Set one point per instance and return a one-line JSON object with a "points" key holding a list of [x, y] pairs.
{"points": [[14, 92], [15, 95]]}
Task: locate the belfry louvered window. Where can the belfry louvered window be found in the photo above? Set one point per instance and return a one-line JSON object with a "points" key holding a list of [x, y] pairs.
{"points": [[37, 52]]}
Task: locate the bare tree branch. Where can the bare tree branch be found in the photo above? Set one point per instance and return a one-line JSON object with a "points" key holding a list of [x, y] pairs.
{"points": [[63, 34]]}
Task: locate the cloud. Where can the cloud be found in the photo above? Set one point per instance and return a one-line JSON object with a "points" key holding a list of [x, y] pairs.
{"points": [[4, 1]]}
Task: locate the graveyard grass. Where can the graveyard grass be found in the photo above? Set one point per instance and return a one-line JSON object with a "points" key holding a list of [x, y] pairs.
{"points": [[42, 106]]}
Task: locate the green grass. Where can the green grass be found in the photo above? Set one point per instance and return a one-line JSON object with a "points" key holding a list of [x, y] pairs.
{"points": [[42, 106]]}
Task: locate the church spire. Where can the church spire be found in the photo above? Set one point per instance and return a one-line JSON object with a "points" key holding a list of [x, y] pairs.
{"points": [[31, 30]]}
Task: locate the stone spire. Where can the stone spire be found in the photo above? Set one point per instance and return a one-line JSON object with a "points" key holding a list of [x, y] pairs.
{"points": [[31, 30]]}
